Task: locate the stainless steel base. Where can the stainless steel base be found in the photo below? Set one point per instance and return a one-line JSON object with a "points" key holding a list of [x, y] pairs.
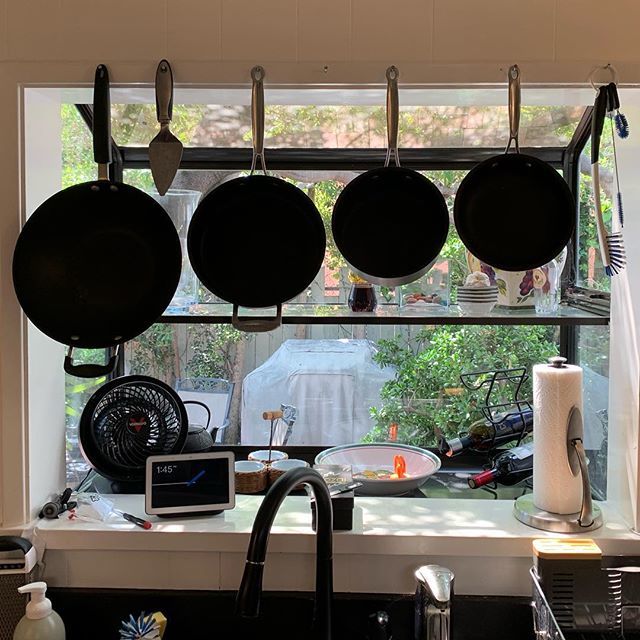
{"points": [[525, 511]]}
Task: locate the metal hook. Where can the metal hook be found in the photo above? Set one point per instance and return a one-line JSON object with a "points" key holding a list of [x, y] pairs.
{"points": [[607, 67]]}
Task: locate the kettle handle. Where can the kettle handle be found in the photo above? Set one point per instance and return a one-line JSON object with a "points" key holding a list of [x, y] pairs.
{"points": [[204, 406]]}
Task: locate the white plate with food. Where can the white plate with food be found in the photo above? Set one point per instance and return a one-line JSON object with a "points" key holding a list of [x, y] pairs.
{"points": [[385, 469]]}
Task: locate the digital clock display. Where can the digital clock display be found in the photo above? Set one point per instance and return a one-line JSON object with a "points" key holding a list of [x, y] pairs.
{"points": [[189, 482]]}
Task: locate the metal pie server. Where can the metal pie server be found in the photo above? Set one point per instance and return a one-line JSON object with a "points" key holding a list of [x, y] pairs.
{"points": [[165, 150]]}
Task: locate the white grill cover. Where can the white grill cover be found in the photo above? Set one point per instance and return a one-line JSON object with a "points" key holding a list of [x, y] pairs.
{"points": [[333, 383]]}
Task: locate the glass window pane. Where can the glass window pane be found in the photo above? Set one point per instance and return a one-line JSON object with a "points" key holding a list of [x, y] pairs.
{"points": [[349, 382], [347, 126], [593, 357]]}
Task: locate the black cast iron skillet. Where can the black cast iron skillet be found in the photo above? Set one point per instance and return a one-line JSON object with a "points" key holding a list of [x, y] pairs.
{"points": [[390, 223], [97, 263], [514, 211], [256, 241]]}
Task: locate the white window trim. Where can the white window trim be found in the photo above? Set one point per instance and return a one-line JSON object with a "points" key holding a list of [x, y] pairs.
{"points": [[22, 484]]}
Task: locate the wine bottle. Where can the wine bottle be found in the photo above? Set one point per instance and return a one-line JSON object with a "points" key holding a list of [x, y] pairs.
{"points": [[508, 468], [484, 436]]}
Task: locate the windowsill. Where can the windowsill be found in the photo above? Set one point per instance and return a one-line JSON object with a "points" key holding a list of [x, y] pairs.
{"points": [[389, 526], [480, 540]]}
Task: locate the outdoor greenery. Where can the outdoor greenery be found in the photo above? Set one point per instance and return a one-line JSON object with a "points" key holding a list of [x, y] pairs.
{"points": [[426, 399]]}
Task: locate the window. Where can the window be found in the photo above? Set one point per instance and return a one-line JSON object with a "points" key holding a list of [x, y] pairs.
{"points": [[349, 380]]}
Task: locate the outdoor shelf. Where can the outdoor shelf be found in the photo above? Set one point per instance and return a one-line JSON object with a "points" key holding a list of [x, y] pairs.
{"points": [[301, 313]]}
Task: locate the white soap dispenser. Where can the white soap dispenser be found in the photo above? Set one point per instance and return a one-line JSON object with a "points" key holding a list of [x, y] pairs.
{"points": [[40, 621]]}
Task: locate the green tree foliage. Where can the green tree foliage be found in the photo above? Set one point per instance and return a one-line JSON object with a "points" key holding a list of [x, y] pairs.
{"points": [[424, 398]]}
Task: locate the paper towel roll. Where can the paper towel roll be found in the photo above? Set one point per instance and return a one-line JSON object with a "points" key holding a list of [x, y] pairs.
{"points": [[555, 391]]}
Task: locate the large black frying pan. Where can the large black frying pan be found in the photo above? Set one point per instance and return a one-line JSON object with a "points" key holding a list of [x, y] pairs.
{"points": [[97, 263], [256, 241], [391, 223], [514, 211]]}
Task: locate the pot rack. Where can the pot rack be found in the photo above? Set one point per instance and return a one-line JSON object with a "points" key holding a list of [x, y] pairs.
{"points": [[584, 308]]}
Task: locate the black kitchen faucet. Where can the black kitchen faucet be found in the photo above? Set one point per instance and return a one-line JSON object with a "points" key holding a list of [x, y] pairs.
{"points": [[249, 593]]}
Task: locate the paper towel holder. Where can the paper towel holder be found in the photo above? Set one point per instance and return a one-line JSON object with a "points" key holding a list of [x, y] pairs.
{"points": [[590, 515]]}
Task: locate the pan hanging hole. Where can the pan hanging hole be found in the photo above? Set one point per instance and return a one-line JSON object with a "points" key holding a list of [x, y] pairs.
{"points": [[95, 187]]}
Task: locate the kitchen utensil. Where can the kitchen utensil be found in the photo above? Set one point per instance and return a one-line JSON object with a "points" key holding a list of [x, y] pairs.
{"points": [[390, 202], [620, 129], [420, 465], [256, 241], [251, 476], [281, 426], [199, 439], [611, 244], [514, 211], [97, 263], [165, 150], [127, 420]]}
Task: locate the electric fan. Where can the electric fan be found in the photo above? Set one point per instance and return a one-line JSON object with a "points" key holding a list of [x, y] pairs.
{"points": [[126, 421]]}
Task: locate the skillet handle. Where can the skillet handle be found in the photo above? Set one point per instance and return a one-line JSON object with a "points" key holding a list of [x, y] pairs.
{"points": [[256, 325], [257, 117], [90, 370], [597, 122], [393, 115], [164, 92], [101, 119], [514, 107]]}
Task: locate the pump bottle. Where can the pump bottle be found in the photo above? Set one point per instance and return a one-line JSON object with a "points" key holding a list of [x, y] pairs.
{"points": [[40, 621]]}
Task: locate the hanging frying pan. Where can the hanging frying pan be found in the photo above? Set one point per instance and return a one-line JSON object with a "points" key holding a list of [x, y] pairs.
{"points": [[513, 211], [391, 223], [256, 241], [97, 263]]}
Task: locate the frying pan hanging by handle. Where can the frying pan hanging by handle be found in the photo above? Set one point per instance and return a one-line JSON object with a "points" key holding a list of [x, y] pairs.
{"points": [[256, 241], [247, 324], [390, 202], [514, 211], [97, 263]]}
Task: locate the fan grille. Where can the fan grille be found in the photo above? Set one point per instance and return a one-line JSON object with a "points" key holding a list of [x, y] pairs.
{"points": [[130, 422]]}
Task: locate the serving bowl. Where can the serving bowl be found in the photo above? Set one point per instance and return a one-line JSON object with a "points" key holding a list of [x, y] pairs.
{"points": [[380, 456], [479, 308]]}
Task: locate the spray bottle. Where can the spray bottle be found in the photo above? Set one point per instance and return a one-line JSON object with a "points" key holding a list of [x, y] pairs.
{"points": [[40, 621]]}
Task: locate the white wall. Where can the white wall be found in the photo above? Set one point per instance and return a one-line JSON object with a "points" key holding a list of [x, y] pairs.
{"points": [[299, 42]]}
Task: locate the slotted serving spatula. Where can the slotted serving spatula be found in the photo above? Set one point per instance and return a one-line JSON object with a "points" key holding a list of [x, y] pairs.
{"points": [[165, 150]]}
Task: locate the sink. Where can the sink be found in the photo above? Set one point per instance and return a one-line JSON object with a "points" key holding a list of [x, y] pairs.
{"points": [[201, 615]]}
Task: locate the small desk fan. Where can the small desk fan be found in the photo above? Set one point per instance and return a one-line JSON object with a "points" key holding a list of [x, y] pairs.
{"points": [[127, 420]]}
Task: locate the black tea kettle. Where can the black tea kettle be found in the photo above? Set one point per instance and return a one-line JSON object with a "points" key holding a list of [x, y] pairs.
{"points": [[199, 439]]}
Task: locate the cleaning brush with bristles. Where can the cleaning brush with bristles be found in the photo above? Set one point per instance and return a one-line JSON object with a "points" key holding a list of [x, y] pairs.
{"points": [[144, 627], [616, 118], [611, 244]]}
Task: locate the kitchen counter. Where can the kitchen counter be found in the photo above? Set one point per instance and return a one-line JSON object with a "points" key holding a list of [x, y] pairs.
{"points": [[479, 539]]}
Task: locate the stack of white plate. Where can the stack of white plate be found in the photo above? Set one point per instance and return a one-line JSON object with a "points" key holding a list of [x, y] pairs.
{"points": [[477, 300]]}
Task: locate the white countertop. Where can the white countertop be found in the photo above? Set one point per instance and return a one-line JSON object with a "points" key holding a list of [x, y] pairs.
{"points": [[389, 526], [480, 540]]}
